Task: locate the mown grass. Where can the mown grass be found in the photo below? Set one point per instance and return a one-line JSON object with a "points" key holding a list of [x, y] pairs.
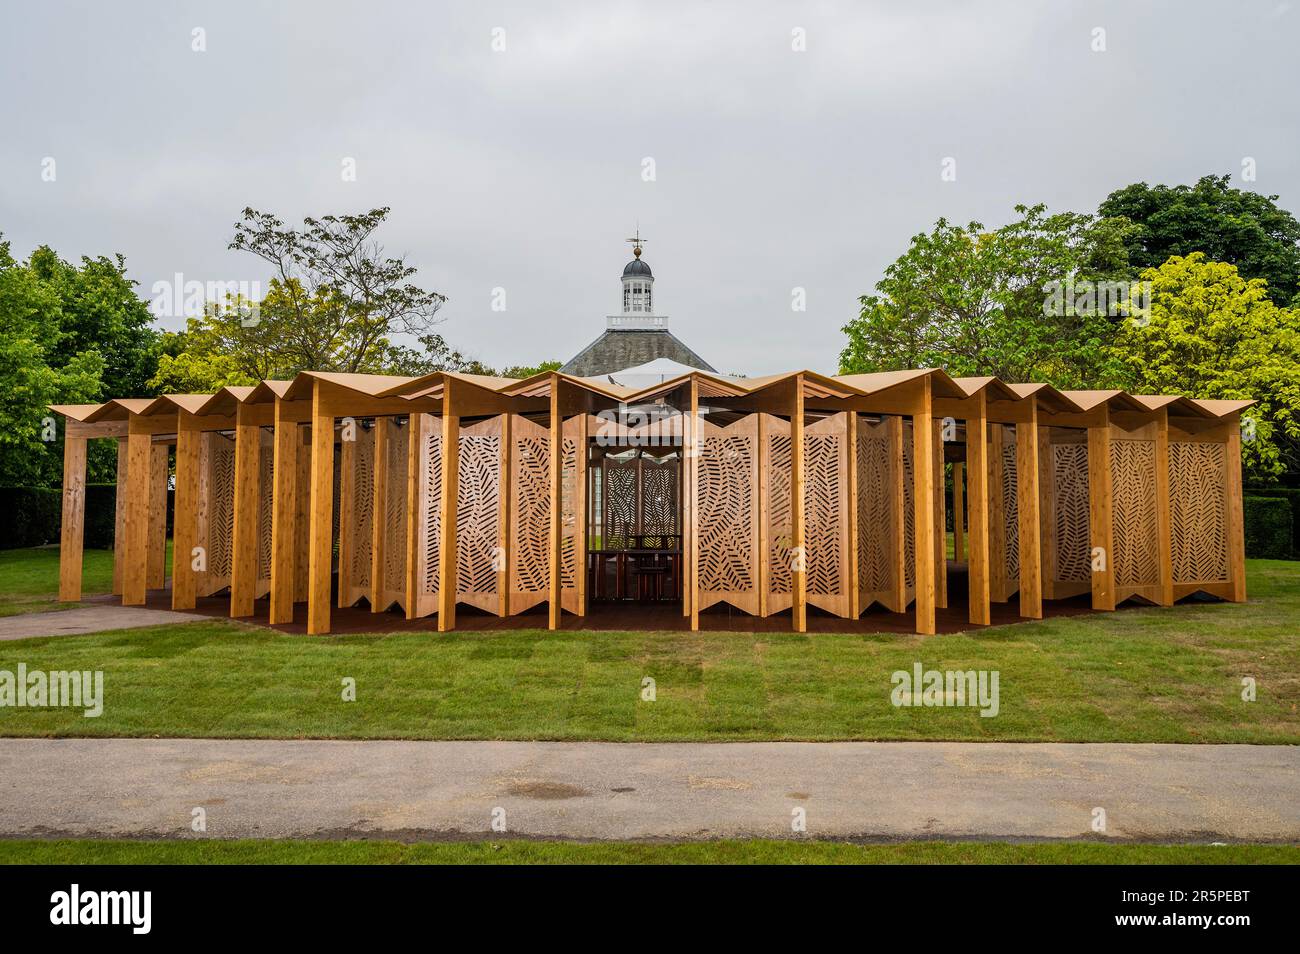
{"points": [[731, 852], [1139, 675], [29, 579]]}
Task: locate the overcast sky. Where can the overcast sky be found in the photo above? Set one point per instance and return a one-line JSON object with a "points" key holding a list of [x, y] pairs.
{"points": [[522, 168]]}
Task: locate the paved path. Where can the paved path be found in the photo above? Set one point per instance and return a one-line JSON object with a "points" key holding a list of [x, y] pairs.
{"points": [[87, 619], [674, 790]]}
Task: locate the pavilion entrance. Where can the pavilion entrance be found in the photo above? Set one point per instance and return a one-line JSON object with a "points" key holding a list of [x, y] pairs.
{"points": [[634, 521]]}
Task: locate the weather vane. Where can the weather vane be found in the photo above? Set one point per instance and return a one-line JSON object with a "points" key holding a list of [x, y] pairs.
{"points": [[637, 242]]}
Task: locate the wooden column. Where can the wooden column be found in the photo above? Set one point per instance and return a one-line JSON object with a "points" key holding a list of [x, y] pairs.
{"points": [[1236, 526], [923, 506], [798, 529], [243, 548], [284, 514], [135, 522], [1164, 520], [72, 533], [156, 570], [450, 465], [855, 591], [119, 517], [1029, 524], [693, 502], [555, 467], [320, 533], [185, 529], [958, 511], [977, 504], [1100, 514], [379, 509], [898, 548]]}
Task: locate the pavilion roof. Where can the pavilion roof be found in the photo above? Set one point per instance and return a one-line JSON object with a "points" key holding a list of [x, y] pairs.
{"points": [[710, 384]]}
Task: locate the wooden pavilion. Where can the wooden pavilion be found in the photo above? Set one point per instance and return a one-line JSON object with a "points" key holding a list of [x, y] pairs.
{"points": [[768, 494]]}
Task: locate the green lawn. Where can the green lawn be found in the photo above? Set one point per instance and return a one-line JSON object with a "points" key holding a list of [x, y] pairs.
{"points": [[508, 852], [1138, 675], [29, 579]]}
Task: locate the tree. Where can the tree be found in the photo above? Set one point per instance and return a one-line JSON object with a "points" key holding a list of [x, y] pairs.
{"points": [[68, 334], [1212, 333], [1241, 228], [336, 300], [527, 371], [1019, 302]]}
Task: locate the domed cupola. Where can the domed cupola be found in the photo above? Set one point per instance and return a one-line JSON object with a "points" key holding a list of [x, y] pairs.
{"points": [[638, 283]]}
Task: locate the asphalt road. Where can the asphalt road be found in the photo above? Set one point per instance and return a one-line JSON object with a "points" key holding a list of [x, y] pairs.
{"points": [[867, 790]]}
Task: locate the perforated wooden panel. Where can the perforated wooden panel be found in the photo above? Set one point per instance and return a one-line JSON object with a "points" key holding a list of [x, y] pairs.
{"points": [[1070, 513], [478, 514], [426, 430], [218, 501], [876, 517], [265, 502], [356, 512], [778, 512], [1197, 491], [909, 514], [727, 514], [1133, 489], [530, 523], [394, 503], [826, 513], [660, 508], [1010, 508]]}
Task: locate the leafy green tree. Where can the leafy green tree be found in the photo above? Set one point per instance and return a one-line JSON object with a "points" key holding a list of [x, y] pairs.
{"points": [[337, 302], [68, 335], [527, 371], [1001, 302], [1244, 229], [1209, 332]]}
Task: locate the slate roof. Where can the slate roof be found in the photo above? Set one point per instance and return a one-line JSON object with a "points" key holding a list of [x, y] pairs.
{"points": [[618, 349]]}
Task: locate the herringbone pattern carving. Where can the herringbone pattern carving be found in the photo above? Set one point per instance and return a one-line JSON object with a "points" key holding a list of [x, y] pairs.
{"points": [[620, 503], [431, 501], [909, 511], [823, 511], [875, 510], [570, 500], [395, 509], [363, 507], [659, 485], [1070, 490], [780, 517], [725, 513], [1197, 511], [1010, 505], [478, 503], [1133, 483], [221, 509], [265, 499], [532, 514]]}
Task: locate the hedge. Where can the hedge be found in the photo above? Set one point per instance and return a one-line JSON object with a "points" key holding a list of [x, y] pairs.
{"points": [[1269, 527], [35, 515], [1289, 493]]}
